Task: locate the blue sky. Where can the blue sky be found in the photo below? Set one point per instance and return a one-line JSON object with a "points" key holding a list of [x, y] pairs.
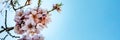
{"points": [[92, 19], [82, 20]]}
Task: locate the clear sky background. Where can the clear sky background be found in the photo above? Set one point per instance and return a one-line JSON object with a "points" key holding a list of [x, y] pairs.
{"points": [[80, 20]]}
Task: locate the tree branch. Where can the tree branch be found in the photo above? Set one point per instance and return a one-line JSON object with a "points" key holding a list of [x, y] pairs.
{"points": [[5, 37], [13, 6], [6, 18], [6, 28], [39, 3], [54, 8]]}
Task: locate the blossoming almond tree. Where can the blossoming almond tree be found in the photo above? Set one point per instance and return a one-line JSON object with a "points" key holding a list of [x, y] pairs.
{"points": [[28, 23]]}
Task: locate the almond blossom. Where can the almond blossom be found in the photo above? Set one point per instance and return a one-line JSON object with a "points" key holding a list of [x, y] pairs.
{"points": [[31, 22], [28, 22], [57, 7]]}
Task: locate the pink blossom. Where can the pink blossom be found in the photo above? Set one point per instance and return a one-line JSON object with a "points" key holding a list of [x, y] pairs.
{"points": [[31, 23], [57, 7], [35, 37]]}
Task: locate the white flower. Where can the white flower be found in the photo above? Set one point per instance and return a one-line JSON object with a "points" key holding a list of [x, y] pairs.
{"points": [[18, 16], [31, 23], [35, 37]]}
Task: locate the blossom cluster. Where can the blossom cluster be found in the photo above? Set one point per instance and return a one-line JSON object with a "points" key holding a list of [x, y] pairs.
{"points": [[30, 22]]}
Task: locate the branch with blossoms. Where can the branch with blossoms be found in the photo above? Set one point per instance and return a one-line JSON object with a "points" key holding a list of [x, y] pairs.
{"points": [[56, 7], [28, 23], [13, 4]]}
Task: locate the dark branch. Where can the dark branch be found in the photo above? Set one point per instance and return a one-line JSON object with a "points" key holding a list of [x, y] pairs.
{"points": [[13, 6], [5, 37], [51, 10], [6, 18], [6, 28], [39, 3], [2, 31], [12, 35]]}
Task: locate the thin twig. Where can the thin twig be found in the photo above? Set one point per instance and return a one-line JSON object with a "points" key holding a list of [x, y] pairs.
{"points": [[7, 27], [4, 5], [2, 31], [13, 6], [59, 4], [5, 37], [6, 18], [12, 35], [51, 10], [39, 3], [11, 2]]}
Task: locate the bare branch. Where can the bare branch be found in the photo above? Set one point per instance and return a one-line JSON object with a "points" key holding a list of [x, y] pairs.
{"points": [[6, 29], [6, 18], [51, 10], [39, 3], [2, 31], [9, 29], [13, 6], [4, 5], [12, 35], [5, 37]]}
